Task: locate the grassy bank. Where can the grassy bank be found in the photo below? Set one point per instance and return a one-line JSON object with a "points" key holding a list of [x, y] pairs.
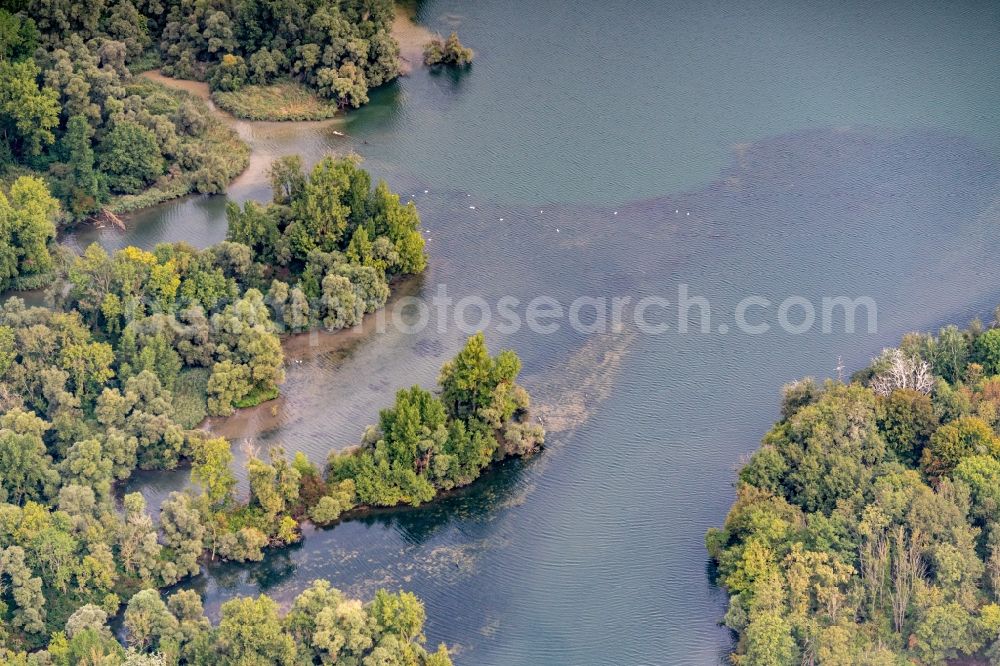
{"points": [[281, 101]]}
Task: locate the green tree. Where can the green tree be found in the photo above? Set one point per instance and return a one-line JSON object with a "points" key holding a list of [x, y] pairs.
{"points": [[907, 420], [26, 230], [287, 179], [230, 74], [981, 473], [18, 36], [341, 307], [85, 465], [342, 497], [986, 351], [26, 590], [183, 534], [88, 617], [138, 546], [27, 114], [83, 193], [448, 52], [466, 380], [320, 215], [950, 353], [263, 493], [26, 471], [85, 648], [954, 441], [945, 633], [212, 470], [359, 250], [401, 614], [250, 632], [296, 315], [254, 227], [130, 156], [401, 225], [149, 622], [770, 641]]}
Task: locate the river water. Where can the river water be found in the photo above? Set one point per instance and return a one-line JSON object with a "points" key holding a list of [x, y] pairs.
{"points": [[767, 148]]}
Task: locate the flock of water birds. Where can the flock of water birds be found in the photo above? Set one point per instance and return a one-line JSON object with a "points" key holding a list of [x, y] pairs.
{"points": [[541, 211]]}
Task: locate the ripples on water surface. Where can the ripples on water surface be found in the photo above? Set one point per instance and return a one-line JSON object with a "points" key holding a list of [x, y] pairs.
{"points": [[769, 148]]}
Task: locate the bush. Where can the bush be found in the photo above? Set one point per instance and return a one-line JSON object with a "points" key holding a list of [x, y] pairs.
{"points": [[448, 52], [329, 508]]}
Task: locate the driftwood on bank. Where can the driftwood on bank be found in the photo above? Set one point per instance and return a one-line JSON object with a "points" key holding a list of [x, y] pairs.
{"points": [[106, 215]]}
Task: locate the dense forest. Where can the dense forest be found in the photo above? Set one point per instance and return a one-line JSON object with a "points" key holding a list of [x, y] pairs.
{"points": [[136, 349], [73, 112], [865, 529], [340, 50], [322, 626]]}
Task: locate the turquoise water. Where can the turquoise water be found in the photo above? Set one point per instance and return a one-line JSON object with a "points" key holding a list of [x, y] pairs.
{"points": [[770, 149]]}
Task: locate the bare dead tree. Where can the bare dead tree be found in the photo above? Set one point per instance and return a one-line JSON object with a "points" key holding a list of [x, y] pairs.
{"points": [[907, 568], [993, 570], [901, 372], [874, 558], [249, 449]]}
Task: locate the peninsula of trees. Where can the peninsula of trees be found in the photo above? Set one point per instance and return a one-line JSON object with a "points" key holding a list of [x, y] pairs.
{"points": [[73, 113], [138, 347], [865, 529]]}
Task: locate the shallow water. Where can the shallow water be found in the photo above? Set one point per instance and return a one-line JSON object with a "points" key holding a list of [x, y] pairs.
{"points": [[773, 149]]}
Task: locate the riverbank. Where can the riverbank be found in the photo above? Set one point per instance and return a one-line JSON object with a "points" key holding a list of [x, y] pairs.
{"points": [[246, 422], [227, 152], [386, 470], [291, 101], [257, 134], [239, 118], [208, 154]]}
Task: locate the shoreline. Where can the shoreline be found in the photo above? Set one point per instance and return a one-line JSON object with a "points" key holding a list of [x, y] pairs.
{"points": [[259, 161], [262, 417], [411, 37], [221, 134]]}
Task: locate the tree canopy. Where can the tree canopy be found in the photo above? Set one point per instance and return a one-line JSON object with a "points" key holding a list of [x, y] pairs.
{"points": [[73, 113], [447, 52], [865, 528]]}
